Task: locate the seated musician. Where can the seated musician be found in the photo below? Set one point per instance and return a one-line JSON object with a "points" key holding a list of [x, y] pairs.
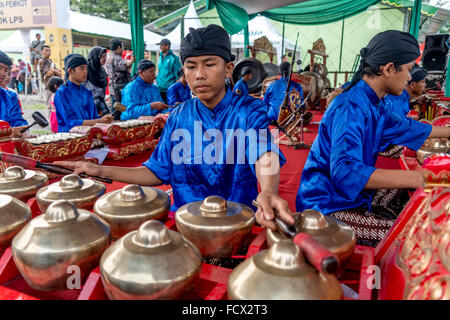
{"points": [[10, 110], [415, 88], [74, 103], [141, 96], [339, 177], [241, 86], [276, 91], [179, 91], [187, 156]]}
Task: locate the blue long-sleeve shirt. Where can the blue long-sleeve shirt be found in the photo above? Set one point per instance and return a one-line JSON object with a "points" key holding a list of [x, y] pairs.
{"points": [[10, 109], [199, 156], [74, 104], [137, 96], [178, 93], [242, 86], [343, 156], [398, 104], [275, 93]]}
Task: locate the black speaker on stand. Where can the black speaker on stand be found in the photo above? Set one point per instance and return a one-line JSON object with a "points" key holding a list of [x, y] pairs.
{"points": [[435, 59]]}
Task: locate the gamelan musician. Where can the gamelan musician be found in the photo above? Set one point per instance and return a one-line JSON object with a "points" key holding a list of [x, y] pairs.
{"points": [[179, 91], [10, 110], [339, 177], [197, 154], [74, 103], [241, 86], [141, 96], [276, 91]]}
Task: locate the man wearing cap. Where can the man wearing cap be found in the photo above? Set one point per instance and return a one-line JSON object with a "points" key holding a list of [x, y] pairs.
{"points": [[168, 67], [74, 103], [339, 177], [179, 91], [9, 109], [141, 96], [241, 86], [276, 91], [197, 153], [117, 69]]}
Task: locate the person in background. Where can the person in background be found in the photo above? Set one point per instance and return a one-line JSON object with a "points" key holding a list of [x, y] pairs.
{"points": [[47, 68], [179, 91], [10, 111], [276, 91], [21, 76], [141, 96], [53, 85], [147, 55], [14, 75], [97, 80], [241, 86], [74, 103], [35, 50], [118, 71], [168, 66]]}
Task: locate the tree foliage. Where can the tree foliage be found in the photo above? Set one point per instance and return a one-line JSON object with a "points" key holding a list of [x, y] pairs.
{"points": [[118, 9]]}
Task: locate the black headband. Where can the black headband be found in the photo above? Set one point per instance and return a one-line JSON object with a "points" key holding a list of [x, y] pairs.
{"points": [[212, 40], [74, 60], [389, 46], [5, 59], [417, 74], [144, 65]]}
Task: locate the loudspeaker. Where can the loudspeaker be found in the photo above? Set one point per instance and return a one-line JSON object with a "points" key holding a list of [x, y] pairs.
{"points": [[434, 56]]}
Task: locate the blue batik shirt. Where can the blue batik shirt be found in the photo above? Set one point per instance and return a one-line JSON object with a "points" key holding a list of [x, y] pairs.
{"points": [[10, 109], [178, 93], [242, 86], [74, 104], [137, 96], [205, 152], [343, 155], [275, 93]]}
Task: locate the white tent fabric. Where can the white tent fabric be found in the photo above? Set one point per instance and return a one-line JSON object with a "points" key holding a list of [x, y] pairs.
{"points": [[254, 6], [191, 20]]}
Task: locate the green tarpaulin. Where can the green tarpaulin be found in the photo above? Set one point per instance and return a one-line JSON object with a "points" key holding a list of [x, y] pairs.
{"points": [[415, 19], [312, 12], [137, 31]]}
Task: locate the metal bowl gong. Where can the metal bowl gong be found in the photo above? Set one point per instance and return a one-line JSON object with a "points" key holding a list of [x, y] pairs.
{"points": [[21, 184]]}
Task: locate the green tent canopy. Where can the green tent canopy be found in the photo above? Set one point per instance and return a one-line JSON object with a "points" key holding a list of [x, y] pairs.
{"points": [[137, 31]]}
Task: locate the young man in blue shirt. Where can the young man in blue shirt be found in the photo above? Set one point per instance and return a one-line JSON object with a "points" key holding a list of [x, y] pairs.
{"points": [[339, 177], [179, 91], [276, 91], [141, 96], [9, 104], [74, 103], [241, 86], [197, 153]]}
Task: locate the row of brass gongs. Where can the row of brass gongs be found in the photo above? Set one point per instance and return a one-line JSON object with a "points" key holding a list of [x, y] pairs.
{"points": [[147, 260]]}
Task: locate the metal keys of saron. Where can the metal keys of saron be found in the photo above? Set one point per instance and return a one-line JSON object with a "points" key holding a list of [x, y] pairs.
{"points": [[126, 209], [81, 192], [150, 263], [217, 227], [60, 239]]}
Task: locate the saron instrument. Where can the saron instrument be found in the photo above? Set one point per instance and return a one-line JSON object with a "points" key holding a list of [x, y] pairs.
{"points": [[48, 248], [217, 227], [126, 209], [151, 263]]}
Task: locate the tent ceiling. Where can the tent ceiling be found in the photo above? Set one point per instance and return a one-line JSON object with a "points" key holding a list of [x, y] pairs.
{"points": [[255, 6]]}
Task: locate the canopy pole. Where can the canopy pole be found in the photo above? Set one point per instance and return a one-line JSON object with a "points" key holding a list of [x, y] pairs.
{"points": [[282, 39], [447, 83], [246, 41], [342, 42], [182, 29], [415, 19], [137, 31]]}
